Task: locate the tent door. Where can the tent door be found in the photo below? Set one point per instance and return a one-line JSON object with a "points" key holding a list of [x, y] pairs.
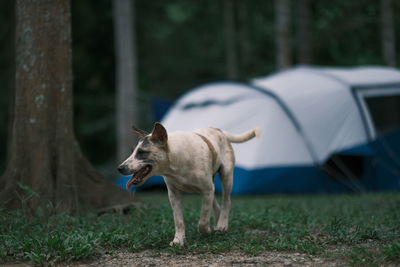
{"points": [[346, 167]]}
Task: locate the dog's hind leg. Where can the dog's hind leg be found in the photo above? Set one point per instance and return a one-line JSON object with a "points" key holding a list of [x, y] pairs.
{"points": [[226, 181], [216, 210], [207, 205]]}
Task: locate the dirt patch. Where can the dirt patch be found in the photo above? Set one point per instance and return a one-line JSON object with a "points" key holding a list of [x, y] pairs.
{"points": [[150, 258]]}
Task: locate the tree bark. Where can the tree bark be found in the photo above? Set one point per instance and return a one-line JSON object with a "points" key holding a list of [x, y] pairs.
{"points": [[231, 61], [46, 166], [283, 40], [388, 33], [304, 54], [10, 94], [126, 73]]}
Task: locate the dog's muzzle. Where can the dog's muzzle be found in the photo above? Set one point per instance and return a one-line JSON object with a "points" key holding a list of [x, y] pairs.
{"points": [[124, 170]]}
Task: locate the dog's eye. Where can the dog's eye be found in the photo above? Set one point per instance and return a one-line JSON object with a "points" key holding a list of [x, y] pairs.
{"points": [[142, 152]]}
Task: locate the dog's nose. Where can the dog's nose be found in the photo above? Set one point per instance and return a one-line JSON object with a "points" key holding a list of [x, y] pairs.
{"points": [[122, 169]]}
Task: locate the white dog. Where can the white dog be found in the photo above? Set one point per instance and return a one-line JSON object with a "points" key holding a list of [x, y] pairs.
{"points": [[188, 162]]}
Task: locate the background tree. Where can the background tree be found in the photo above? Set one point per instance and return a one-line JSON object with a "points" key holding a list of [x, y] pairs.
{"points": [[231, 54], [126, 75], [45, 164], [245, 46], [304, 32], [283, 35], [388, 33]]}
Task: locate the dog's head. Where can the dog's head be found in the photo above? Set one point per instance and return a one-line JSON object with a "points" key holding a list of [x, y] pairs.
{"points": [[148, 157]]}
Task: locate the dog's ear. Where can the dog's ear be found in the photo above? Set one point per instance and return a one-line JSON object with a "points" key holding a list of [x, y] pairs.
{"points": [[159, 134], [139, 132]]}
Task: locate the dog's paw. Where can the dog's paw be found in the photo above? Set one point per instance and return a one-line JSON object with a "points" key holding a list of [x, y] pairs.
{"points": [[177, 242], [204, 229], [221, 228]]}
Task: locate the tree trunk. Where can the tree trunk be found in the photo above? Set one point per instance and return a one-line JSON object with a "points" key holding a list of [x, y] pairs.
{"points": [[304, 54], [10, 95], [231, 61], [243, 33], [283, 42], [388, 33], [45, 165], [126, 73]]}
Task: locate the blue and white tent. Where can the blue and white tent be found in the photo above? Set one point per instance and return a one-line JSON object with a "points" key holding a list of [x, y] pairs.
{"points": [[323, 129]]}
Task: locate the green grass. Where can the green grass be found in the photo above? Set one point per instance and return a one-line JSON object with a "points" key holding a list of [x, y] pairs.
{"points": [[361, 229]]}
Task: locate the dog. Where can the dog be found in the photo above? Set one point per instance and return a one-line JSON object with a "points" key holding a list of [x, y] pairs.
{"points": [[188, 161]]}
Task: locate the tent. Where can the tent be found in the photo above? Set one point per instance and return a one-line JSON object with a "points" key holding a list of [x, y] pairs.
{"points": [[323, 129]]}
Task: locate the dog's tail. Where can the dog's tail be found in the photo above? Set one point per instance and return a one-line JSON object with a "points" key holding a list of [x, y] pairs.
{"points": [[240, 138]]}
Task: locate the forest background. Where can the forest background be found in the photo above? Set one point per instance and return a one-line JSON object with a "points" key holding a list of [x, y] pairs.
{"points": [[181, 44]]}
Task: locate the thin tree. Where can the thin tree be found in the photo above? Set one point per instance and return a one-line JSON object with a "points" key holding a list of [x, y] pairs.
{"points": [[126, 73], [388, 33], [304, 42], [283, 36], [45, 164], [231, 61], [243, 34]]}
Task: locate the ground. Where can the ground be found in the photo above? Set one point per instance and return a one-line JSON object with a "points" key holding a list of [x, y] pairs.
{"points": [[269, 258], [150, 258]]}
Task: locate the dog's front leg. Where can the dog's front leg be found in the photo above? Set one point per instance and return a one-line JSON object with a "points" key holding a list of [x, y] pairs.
{"points": [[176, 204], [204, 223]]}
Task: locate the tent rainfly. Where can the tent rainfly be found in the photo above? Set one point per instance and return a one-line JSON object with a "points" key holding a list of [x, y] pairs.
{"points": [[323, 129]]}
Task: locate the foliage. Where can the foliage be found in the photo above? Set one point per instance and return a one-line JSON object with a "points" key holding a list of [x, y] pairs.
{"points": [[361, 229]]}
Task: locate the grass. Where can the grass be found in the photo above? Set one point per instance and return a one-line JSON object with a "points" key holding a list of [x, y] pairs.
{"points": [[360, 229]]}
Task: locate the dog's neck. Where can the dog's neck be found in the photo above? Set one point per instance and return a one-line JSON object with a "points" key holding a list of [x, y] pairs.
{"points": [[176, 164], [169, 169]]}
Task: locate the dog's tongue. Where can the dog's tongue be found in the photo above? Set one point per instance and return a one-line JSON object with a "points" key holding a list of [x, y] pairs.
{"points": [[130, 182]]}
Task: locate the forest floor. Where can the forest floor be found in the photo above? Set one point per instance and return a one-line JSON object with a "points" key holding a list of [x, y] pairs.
{"points": [[233, 258], [236, 258]]}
